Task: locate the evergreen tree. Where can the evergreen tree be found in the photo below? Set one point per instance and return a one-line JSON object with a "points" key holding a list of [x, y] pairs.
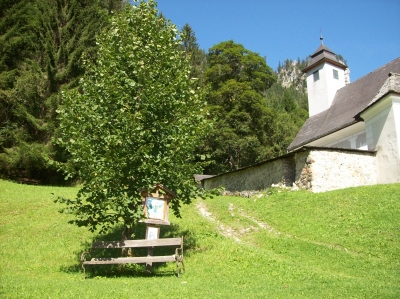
{"points": [[290, 106], [193, 53], [41, 45]]}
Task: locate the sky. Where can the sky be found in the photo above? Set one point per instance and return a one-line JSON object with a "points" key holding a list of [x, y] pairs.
{"points": [[365, 32]]}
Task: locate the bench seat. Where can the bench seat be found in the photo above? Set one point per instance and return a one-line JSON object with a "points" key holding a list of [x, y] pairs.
{"points": [[133, 260], [149, 259]]}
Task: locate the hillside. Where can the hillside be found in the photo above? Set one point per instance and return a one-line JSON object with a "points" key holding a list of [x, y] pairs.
{"points": [[341, 244]]}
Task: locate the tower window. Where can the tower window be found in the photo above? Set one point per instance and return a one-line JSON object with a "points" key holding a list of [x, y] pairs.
{"points": [[335, 74], [316, 76]]}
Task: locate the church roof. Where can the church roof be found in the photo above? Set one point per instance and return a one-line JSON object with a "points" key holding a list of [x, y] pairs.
{"points": [[392, 84], [323, 54], [348, 102]]}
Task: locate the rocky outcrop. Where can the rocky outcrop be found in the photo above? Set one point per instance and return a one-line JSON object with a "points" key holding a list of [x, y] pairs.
{"points": [[290, 74]]}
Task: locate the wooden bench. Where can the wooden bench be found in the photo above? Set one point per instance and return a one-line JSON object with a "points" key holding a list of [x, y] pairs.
{"points": [[177, 257]]}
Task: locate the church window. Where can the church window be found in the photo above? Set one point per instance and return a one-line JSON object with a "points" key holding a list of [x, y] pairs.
{"points": [[316, 76], [335, 74]]}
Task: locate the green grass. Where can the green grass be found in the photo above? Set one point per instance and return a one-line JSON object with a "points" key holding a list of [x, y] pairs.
{"points": [[340, 244]]}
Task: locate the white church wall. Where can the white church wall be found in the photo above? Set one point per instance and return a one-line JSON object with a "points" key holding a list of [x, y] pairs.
{"points": [[357, 140], [352, 137], [322, 91], [316, 90], [383, 135], [333, 84], [396, 117]]}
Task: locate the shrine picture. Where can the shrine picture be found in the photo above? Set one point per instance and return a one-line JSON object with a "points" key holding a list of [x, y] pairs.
{"points": [[155, 208]]}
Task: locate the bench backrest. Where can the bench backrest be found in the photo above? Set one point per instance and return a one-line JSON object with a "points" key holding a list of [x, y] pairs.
{"points": [[138, 243]]}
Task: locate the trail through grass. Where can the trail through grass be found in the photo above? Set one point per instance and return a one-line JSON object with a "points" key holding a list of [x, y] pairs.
{"points": [[340, 244]]}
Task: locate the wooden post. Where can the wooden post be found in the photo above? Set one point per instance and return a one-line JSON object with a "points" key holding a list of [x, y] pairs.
{"points": [[156, 206], [152, 232], [149, 265]]}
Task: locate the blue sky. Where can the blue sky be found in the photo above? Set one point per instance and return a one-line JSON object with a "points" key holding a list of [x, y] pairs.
{"points": [[365, 32]]}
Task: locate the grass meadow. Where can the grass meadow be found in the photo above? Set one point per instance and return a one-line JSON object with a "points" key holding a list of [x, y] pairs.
{"points": [[279, 244]]}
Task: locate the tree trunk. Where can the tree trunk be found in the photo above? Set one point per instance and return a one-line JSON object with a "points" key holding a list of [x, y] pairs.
{"points": [[127, 235]]}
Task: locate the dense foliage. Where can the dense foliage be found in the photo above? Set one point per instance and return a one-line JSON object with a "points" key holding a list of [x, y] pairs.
{"points": [[41, 47], [41, 44], [134, 122], [243, 123], [291, 111]]}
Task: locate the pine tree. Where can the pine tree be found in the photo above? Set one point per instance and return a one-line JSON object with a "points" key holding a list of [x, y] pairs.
{"points": [[41, 45], [193, 53]]}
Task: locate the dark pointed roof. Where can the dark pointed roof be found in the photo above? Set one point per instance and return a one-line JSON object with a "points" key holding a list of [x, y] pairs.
{"points": [[323, 54], [348, 102]]}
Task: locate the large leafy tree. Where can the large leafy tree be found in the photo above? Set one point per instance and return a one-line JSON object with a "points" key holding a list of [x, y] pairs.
{"points": [[41, 44], [243, 123], [134, 121]]}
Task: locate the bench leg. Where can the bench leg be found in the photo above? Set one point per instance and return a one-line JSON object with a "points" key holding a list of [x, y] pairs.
{"points": [[183, 265], [179, 259], [177, 268], [84, 271]]}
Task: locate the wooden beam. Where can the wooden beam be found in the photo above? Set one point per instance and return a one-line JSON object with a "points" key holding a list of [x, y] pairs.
{"points": [[128, 260], [138, 243]]}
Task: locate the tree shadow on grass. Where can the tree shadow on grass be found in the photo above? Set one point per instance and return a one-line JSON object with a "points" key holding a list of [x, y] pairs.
{"points": [[128, 270]]}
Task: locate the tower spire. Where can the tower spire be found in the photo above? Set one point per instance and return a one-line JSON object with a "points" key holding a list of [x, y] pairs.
{"points": [[321, 38]]}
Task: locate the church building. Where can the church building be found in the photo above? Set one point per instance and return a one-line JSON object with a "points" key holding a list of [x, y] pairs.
{"points": [[351, 138], [363, 115]]}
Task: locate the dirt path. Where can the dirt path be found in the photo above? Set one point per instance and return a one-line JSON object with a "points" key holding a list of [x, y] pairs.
{"points": [[229, 231], [236, 234]]}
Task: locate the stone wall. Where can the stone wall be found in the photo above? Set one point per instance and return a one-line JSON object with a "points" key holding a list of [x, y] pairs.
{"points": [[303, 171], [314, 169], [338, 169], [256, 177]]}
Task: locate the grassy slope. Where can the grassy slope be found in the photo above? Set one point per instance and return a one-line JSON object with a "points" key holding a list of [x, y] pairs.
{"points": [[341, 244]]}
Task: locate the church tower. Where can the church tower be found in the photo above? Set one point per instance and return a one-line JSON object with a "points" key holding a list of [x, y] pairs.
{"points": [[325, 75]]}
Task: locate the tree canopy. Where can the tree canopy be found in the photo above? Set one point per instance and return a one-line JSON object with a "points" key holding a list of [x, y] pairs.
{"points": [[134, 121], [242, 121]]}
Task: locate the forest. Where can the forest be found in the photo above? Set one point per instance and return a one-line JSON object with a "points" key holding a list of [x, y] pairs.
{"points": [[44, 45]]}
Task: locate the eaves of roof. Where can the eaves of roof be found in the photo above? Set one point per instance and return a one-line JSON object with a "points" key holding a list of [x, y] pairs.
{"points": [[320, 60], [317, 136], [323, 54]]}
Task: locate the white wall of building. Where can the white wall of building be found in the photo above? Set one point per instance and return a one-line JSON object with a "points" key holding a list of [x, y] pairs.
{"points": [[382, 122], [357, 140], [322, 91], [351, 137]]}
